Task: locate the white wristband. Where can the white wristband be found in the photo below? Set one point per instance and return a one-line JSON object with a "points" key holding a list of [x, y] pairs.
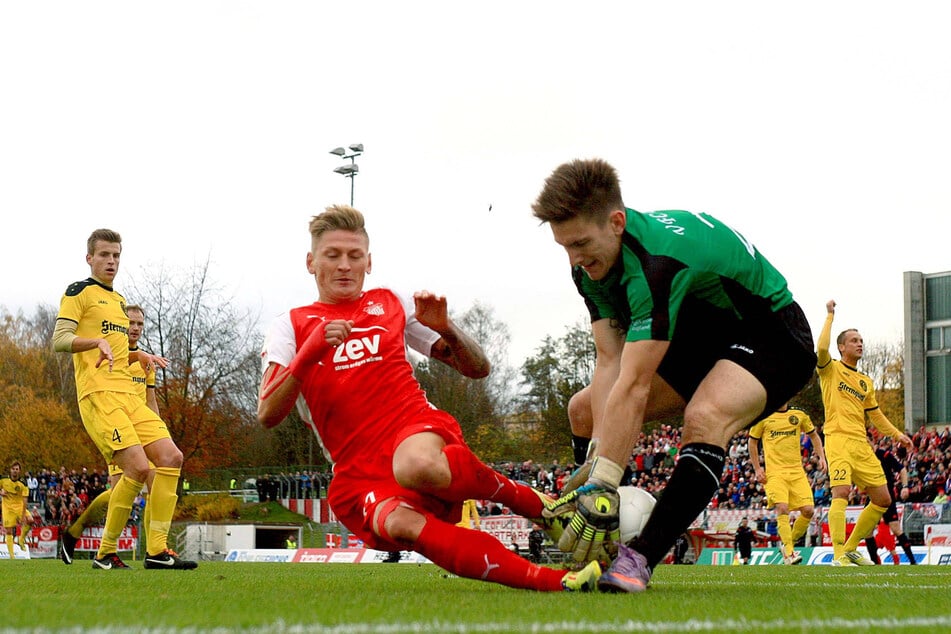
{"points": [[606, 471]]}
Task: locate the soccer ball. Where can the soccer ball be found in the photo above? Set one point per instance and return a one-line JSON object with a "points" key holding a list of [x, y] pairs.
{"points": [[636, 507]]}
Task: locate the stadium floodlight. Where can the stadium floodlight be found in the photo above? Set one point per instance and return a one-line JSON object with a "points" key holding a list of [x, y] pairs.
{"points": [[349, 171]]}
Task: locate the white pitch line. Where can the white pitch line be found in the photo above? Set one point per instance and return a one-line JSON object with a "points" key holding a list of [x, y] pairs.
{"points": [[629, 626]]}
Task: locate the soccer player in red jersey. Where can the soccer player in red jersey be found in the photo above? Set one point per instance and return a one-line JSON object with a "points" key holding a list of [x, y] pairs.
{"points": [[401, 467]]}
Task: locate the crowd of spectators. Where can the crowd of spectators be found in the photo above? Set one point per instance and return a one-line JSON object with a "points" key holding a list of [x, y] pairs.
{"points": [[299, 485], [59, 497]]}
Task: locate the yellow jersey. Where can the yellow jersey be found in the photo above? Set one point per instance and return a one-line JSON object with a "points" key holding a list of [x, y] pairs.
{"points": [[99, 312], [780, 433], [847, 394], [141, 380], [15, 495]]}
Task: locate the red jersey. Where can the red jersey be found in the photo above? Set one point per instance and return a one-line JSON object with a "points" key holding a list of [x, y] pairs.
{"points": [[363, 392]]}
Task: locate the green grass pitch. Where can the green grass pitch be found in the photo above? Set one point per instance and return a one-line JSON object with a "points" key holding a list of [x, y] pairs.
{"points": [[48, 596]]}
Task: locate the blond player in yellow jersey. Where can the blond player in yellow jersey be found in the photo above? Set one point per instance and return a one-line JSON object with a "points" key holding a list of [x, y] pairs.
{"points": [[14, 492], [787, 487], [144, 383], [848, 397]]}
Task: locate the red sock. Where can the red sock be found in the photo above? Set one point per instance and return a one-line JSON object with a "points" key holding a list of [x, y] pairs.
{"points": [[477, 555], [473, 480]]}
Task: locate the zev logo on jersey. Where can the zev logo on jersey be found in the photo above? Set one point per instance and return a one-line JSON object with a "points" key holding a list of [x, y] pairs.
{"points": [[358, 350]]}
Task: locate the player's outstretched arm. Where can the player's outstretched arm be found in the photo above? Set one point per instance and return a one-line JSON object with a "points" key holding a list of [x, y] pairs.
{"points": [[454, 347]]}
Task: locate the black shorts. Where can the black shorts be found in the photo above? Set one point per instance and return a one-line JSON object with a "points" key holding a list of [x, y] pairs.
{"points": [[777, 349]]}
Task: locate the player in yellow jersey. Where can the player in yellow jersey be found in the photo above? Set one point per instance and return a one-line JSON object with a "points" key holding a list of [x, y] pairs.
{"points": [[144, 383], [14, 492], [848, 396], [92, 325], [787, 487]]}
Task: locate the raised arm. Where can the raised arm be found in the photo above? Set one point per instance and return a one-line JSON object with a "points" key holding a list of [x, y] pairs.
{"points": [[825, 336], [454, 347]]}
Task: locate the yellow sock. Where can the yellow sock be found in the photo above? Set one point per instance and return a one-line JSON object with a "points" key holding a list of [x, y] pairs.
{"points": [[120, 505], [785, 533], [799, 527], [162, 499], [10, 544], [868, 519], [92, 514], [146, 522], [837, 526], [22, 539]]}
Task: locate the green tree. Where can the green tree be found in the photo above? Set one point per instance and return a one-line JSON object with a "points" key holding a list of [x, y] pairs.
{"points": [[558, 369]]}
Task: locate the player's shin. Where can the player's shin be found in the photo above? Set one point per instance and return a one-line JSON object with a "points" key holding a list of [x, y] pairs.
{"points": [[471, 479], [837, 526], [162, 498], [906, 546], [785, 533], [867, 521], [691, 486], [120, 505], [799, 527], [477, 555]]}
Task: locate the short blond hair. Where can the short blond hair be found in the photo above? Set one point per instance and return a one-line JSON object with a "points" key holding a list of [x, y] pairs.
{"points": [[337, 218]]}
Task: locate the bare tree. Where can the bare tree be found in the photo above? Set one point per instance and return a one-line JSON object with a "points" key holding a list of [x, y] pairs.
{"points": [[208, 394], [884, 362]]}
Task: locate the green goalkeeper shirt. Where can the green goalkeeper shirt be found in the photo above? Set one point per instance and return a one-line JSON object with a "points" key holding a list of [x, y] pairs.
{"points": [[669, 256]]}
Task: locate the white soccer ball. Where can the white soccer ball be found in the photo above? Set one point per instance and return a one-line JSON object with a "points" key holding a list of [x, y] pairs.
{"points": [[636, 507]]}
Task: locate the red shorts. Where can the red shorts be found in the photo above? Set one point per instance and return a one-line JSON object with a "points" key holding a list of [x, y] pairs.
{"points": [[356, 490]]}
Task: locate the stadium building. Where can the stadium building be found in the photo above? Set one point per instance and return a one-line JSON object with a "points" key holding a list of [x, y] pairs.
{"points": [[927, 349]]}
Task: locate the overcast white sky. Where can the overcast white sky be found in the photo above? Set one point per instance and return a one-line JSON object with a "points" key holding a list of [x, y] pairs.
{"points": [[820, 130]]}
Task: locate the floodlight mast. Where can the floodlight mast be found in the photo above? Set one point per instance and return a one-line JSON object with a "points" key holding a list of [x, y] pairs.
{"points": [[349, 171]]}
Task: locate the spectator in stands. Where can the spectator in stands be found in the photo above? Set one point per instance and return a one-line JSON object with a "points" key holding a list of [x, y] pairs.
{"points": [[32, 485], [941, 497]]}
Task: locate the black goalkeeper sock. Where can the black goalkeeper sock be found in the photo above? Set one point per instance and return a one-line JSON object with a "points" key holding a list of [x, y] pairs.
{"points": [[691, 486], [906, 546], [579, 446], [872, 546]]}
